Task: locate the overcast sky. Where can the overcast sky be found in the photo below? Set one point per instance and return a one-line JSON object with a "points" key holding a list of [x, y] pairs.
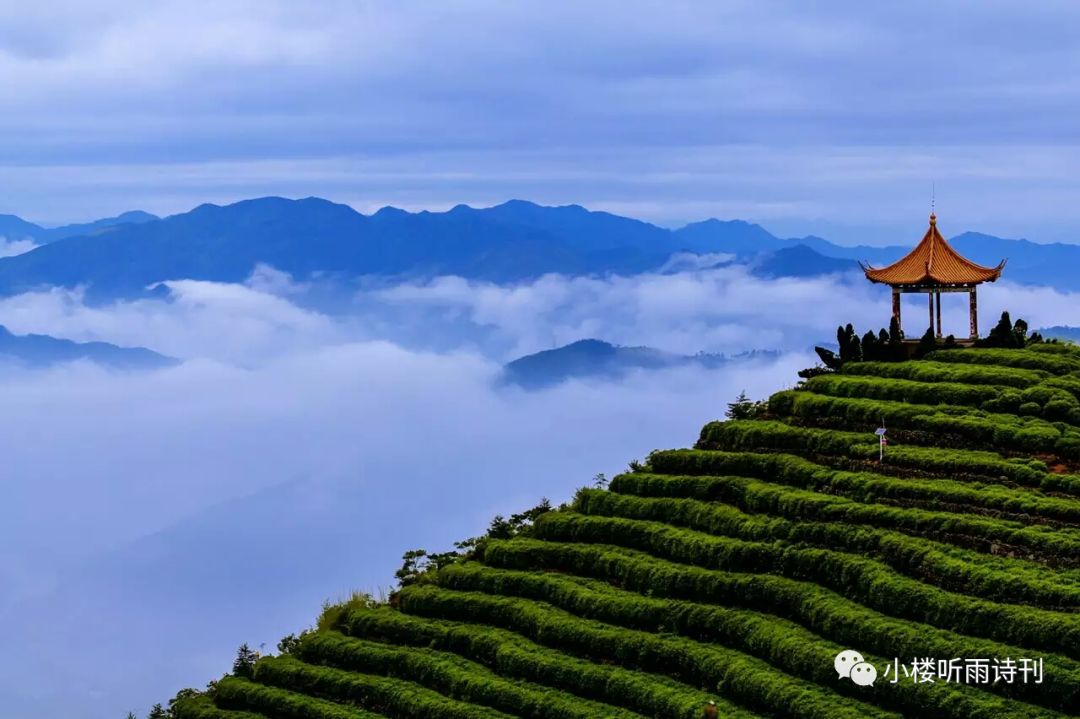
{"points": [[834, 118], [121, 575]]}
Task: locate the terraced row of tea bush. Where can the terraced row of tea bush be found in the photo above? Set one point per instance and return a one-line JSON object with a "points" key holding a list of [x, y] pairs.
{"points": [[728, 576]]}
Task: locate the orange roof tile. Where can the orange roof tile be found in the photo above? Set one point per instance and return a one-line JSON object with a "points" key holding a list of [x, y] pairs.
{"points": [[933, 262]]}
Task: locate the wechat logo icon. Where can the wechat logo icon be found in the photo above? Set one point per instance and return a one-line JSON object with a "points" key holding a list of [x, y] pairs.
{"points": [[850, 664]]}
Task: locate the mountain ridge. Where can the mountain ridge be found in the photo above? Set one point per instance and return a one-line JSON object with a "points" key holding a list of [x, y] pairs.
{"points": [[514, 241], [13, 227], [38, 350]]}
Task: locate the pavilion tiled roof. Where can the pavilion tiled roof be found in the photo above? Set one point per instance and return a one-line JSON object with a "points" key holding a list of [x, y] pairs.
{"points": [[933, 262]]}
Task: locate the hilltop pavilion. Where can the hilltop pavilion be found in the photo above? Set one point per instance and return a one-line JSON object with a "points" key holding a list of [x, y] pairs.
{"points": [[933, 267]]}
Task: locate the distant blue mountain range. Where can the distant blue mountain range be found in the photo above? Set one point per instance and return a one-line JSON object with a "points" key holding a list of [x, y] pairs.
{"points": [[593, 358], [799, 261], [45, 351], [1061, 332], [1029, 262], [510, 242], [16, 228]]}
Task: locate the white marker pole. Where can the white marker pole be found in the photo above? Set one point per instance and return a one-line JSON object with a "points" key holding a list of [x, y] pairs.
{"points": [[880, 432]]}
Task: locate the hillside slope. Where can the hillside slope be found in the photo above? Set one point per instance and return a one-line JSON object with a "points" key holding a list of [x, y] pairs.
{"points": [[736, 572]]}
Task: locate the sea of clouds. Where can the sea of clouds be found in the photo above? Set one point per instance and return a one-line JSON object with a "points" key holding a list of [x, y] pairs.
{"points": [[153, 521]]}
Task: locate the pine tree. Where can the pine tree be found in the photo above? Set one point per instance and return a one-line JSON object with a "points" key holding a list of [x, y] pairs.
{"points": [[927, 343], [741, 408], [869, 347], [847, 342], [414, 561], [855, 353], [896, 335], [883, 342], [1007, 334], [1002, 333], [841, 344], [244, 665], [1020, 328]]}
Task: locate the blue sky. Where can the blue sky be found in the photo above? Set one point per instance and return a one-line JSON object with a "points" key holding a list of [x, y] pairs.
{"points": [[832, 118]]}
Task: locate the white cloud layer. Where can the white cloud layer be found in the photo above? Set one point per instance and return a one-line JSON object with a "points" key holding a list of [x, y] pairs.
{"points": [[125, 577], [723, 310], [233, 323], [10, 248], [292, 457]]}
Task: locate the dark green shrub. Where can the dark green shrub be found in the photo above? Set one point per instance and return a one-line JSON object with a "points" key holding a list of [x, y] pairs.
{"points": [[786, 644], [927, 343], [513, 655], [952, 568], [751, 681], [1060, 409], [1030, 409]]}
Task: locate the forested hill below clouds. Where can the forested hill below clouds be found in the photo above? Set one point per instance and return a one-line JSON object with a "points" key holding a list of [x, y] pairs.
{"points": [[37, 351], [596, 359], [510, 242]]}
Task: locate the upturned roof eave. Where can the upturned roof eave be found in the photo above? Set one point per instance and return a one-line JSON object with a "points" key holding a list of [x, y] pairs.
{"points": [[924, 255], [930, 279]]}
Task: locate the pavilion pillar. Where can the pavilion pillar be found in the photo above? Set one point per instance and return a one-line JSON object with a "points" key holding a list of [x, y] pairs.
{"points": [[896, 308], [973, 311], [930, 299], [937, 302]]}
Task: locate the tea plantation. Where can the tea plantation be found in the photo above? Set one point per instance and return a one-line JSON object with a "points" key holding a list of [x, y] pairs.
{"points": [[736, 571]]}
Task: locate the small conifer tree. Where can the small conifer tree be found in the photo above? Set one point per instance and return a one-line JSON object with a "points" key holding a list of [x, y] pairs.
{"points": [[741, 408], [896, 335], [855, 353], [1001, 335], [244, 665], [870, 350], [1020, 329], [927, 343]]}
